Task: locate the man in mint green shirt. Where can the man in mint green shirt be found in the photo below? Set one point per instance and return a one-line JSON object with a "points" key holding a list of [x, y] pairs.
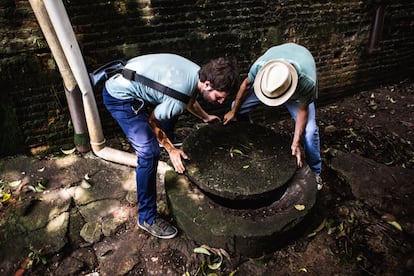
{"points": [[286, 74], [127, 101]]}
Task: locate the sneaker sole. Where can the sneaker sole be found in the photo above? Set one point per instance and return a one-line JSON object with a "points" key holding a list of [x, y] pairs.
{"points": [[158, 236]]}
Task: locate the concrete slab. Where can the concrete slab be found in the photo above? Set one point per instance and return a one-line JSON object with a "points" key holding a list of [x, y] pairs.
{"points": [[239, 161], [247, 232]]}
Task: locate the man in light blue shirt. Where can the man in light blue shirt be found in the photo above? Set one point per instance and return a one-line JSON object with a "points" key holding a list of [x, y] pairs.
{"points": [[140, 111], [286, 74]]}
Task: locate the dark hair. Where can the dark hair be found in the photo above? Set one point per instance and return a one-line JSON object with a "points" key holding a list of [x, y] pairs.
{"points": [[222, 74]]}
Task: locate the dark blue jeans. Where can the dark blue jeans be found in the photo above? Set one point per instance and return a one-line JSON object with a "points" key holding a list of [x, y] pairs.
{"points": [[142, 138]]}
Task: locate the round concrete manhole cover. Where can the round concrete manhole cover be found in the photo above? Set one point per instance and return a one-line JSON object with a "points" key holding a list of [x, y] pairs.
{"points": [[239, 161]]}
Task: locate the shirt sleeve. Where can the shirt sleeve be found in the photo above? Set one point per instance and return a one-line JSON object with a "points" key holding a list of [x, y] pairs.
{"points": [[306, 91], [254, 69], [168, 109]]}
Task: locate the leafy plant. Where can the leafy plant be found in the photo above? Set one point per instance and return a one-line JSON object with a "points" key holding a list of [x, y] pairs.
{"points": [[213, 261], [236, 151], [36, 257]]}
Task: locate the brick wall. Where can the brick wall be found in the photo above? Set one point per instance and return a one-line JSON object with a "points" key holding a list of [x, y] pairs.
{"points": [[32, 100]]}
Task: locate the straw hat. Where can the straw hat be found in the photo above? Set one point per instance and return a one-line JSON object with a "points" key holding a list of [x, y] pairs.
{"points": [[275, 82]]}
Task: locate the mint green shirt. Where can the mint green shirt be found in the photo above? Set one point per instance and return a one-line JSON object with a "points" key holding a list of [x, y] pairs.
{"points": [[170, 70], [302, 60]]}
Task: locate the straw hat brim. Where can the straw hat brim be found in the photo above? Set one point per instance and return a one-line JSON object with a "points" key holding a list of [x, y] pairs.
{"points": [[275, 101]]}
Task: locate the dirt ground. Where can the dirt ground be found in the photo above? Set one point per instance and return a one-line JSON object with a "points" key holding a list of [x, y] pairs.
{"points": [[342, 236]]}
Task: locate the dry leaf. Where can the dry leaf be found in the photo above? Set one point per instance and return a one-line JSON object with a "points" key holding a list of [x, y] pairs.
{"points": [[85, 184], [15, 183], [6, 197], [69, 151], [202, 250], [395, 224], [300, 207]]}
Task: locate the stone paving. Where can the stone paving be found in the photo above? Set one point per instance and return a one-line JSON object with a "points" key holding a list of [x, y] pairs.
{"points": [[85, 219], [85, 199]]}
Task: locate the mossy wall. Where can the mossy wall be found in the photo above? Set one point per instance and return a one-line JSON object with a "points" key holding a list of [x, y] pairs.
{"points": [[336, 32]]}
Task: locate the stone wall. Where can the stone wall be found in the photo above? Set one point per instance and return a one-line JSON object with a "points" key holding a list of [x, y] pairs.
{"points": [[32, 99]]}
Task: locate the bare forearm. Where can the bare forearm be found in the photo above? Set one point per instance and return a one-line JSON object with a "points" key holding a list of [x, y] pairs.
{"points": [[174, 153], [241, 94], [238, 101], [160, 134], [197, 110], [300, 124]]}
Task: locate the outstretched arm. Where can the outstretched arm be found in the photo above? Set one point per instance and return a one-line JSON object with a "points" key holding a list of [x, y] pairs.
{"points": [[174, 153], [300, 124], [241, 95], [195, 108]]}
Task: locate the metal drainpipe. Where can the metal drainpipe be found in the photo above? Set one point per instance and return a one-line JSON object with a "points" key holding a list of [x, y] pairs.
{"points": [[77, 113], [72, 92], [72, 56], [378, 25]]}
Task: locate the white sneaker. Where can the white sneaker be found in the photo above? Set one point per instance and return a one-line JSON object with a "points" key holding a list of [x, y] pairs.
{"points": [[319, 182]]}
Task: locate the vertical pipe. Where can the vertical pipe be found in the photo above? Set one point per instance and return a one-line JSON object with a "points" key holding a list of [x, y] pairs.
{"points": [[70, 53], [77, 113], [377, 27], [54, 45], [71, 89], [66, 36]]}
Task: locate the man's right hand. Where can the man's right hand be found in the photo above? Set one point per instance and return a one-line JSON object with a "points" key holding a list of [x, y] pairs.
{"points": [[241, 94], [229, 116]]}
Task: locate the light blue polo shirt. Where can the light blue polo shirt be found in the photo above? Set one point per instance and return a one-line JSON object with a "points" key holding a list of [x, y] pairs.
{"points": [[302, 60], [170, 70]]}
